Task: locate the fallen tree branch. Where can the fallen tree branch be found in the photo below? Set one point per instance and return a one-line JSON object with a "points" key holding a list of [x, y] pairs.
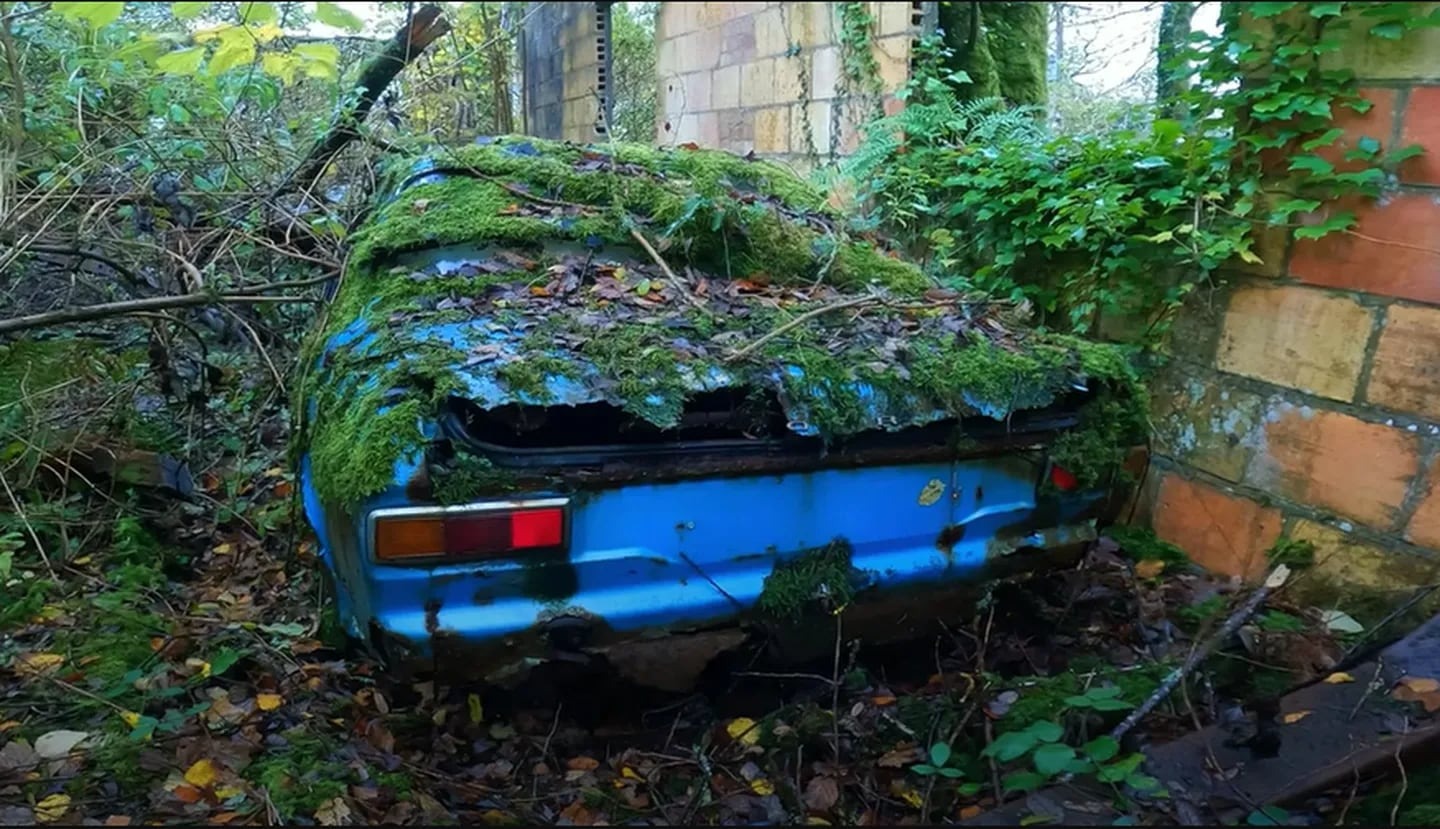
{"points": [[255, 295], [675, 281], [424, 28], [1197, 655], [801, 320]]}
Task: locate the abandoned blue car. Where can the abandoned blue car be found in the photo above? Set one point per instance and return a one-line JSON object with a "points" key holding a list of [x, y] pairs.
{"points": [[586, 403]]}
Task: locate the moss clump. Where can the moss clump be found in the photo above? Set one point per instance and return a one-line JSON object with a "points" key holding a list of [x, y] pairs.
{"points": [[1293, 553], [467, 477], [823, 573], [1141, 544]]}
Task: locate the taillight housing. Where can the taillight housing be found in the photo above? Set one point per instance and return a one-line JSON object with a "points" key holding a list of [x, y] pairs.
{"points": [[412, 535], [1063, 479]]}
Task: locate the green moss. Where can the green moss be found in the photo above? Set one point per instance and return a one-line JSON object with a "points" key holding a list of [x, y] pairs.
{"points": [[1295, 554], [821, 573], [717, 212], [301, 777], [468, 477], [1043, 698], [1141, 544]]}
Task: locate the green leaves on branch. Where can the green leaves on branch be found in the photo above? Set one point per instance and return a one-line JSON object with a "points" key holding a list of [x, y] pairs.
{"points": [[333, 14], [95, 15]]}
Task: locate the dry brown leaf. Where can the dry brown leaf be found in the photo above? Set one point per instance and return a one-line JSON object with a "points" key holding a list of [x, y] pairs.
{"points": [[582, 763], [900, 757], [971, 811], [1294, 717], [333, 812], [1149, 568], [883, 700], [118, 820], [821, 794], [1338, 677], [1420, 684], [1421, 689], [37, 664]]}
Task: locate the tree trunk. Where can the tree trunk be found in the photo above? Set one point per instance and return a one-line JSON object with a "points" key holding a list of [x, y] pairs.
{"points": [[1171, 78], [1002, 46]]}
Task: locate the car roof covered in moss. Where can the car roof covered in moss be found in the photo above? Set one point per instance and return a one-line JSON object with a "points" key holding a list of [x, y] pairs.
{"points": [[520, 270]]}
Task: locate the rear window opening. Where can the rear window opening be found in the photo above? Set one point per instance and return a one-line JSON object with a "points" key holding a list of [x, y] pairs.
{"points": [[724, 422]]}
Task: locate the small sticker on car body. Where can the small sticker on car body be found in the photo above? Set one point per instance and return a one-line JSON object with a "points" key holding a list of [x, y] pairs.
{"points": [[932, 492]]}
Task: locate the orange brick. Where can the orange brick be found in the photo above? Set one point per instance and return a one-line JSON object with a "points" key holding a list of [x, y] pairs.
{"points": [[1221, 532], [1421, 125], [1406, 371], [1395, 252], [1424, 528], [1360, 470], [1378, 123], [1296, 337]]}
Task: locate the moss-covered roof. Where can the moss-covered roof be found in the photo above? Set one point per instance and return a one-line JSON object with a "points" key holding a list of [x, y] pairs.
{"points": [[510, 271]]}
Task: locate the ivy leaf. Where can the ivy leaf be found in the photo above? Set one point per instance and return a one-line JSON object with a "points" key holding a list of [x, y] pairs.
{"points": [[1263, 10], [939, 754], [186, 11], [1284, 210], [1329, 137], [96, 15], [280, 66], [1046, 732], [1367, 144], [1340, 221], [229, 56], [1101, 749], [1052, 758], [1397, 156], [333, 14], [1010, 745], [180, 61], [1389, 31], [1326, 9], [1312, 164]]}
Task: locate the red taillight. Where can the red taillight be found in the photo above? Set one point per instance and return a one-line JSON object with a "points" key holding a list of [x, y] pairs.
{"points": [[487, 532], [1063, 479]]}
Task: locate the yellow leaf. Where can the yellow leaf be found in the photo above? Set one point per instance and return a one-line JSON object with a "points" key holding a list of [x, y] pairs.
{"points": [[266, 33], [200, 667], [279, 66], [224, 549], [268, 702], [53, 807], [912, 797], [630, 773], [318, 60], [762, 787], [214, 33], [202, 774], [1247, 256], [229, 56], [816, 821], [477, 711], [1294, 717], [96, 14], [1149, 568], [130, 718], [744, 730], [227, 792], [1338, 677], [181, 62], [35, 664]]}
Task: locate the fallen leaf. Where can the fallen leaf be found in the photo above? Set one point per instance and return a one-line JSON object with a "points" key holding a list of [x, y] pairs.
{"points": [[17, 755], [333, 812], [1341, 622], [130, 718], [912, 797], [224, 549], [1338, 677], [477, 711], [1149, 568], [744, 730], [900, 757], [9, 725], [52, 745], [419, 205], [202, 774], [1294, 717], [883, 700], [971, 811], [578, 814], [199, 666], [762, 786], [268, 702], [502, 731], [187, 794], [1423, 690], [118, 820], [52, 808], [37, 664], [582, 763], [821, 794]]}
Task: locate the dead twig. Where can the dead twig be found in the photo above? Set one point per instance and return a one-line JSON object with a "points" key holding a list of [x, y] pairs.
{"points": [[675, 281], [799, 320], [1404, 778], [1275, 580]]}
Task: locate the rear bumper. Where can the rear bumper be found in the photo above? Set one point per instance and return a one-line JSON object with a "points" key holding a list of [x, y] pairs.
{"points": [[660, 577]]}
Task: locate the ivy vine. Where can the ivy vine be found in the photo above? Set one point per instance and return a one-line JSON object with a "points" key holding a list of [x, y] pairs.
{"points": [[859, 82], [1122, 226]]}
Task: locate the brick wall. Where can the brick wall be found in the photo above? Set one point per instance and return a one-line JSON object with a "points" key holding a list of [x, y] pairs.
{"points": [[764, 76], [1306, 398], [564, 55]]}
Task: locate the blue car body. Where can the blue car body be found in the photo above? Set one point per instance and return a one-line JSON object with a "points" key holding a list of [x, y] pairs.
{"points": [[673, 540]]}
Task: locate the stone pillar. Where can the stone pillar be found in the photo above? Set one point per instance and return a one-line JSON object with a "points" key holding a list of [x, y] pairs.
{"points": [[1305, 400], [565, 69]]}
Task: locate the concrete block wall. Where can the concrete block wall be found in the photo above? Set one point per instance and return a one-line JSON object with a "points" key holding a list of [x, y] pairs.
{"points": [[763, 76], [565, 59], [1306, 398]]}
